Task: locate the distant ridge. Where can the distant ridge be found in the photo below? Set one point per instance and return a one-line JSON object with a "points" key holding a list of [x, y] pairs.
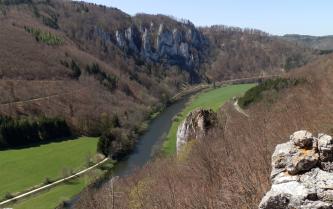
{"points": [[315, 42]]}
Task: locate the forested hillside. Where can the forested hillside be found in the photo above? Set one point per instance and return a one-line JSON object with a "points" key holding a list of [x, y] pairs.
{"points": [[323, 43], [93, 65], [240, 53]]}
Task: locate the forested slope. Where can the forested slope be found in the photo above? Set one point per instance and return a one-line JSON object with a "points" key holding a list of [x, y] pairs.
{"points": [[100, 69]]}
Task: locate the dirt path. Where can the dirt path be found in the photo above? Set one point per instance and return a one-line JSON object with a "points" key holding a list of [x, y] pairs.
{"points": [[52, 184], [239, 109], [41, 98]]}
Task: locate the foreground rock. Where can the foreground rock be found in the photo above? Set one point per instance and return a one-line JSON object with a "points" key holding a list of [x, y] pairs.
{"points": [[302, 174], [195, 126]]}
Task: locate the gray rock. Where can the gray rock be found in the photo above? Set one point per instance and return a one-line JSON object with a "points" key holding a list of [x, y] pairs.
{"points": [[298, 180], [302, 139], [177, 36], [274, 200], [181, 45], [287, 157], [303, 160], [120, 38], [325, 147], [184, 50], [195, 126], [105, 36], [130, 36], [146, 42]]}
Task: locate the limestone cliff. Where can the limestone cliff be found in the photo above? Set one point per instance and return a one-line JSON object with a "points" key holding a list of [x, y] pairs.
{"points": [[195, 126], [175, 43], [302, 173]]}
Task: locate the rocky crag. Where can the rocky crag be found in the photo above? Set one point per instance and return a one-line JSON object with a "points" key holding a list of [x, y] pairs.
{"points": [[176, 43], [302, 173], [195, 126]]}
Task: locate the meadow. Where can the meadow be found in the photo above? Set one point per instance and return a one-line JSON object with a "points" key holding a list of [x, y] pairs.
{"points": [[23, 169], [209, 99], [50, 199]]}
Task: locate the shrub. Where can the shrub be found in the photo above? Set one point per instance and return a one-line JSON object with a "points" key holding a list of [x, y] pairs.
{"points": [[47, 181], [115, 143], [109, 81], [44, 37], [52, 21], [9, 195], [76, 69]]}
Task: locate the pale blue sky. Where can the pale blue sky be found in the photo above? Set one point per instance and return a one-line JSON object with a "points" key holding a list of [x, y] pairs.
{"points": [[311, 17]]}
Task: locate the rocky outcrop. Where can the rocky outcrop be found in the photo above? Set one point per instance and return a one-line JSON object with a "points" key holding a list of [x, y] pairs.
{"points": [[181, 45], [302, 174], [195, 126]]}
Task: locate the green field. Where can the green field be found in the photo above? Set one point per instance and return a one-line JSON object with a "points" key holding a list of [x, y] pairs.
{"points": [[50, 199], [22, 169], [211, 99]]}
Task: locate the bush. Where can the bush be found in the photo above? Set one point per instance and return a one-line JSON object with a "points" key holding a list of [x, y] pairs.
{"points": [[48, 181], [255, 94], [9, 195], [76, 70], [115, 143]]}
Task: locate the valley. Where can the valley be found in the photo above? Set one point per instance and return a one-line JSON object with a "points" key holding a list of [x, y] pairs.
{"points": [[149, 144], [105, 109]]}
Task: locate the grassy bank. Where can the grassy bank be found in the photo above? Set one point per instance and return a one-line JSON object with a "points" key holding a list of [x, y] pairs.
{"points": [[211, 99], [22, 169]]}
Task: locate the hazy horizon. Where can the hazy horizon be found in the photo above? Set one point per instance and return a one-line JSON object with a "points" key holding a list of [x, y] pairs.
{"points": [[275, 17]]}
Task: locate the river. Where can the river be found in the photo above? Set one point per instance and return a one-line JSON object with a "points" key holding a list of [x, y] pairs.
{"points": [[148, 144], [151, 141]]}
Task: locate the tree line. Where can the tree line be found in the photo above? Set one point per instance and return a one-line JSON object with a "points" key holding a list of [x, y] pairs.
{"points": [[256, 93], [15, 132]]}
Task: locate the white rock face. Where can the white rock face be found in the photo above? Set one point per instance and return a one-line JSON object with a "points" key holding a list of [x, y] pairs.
{"points": [[176, 45], [195, 126], [299, 179], [130, 36], [120, 39]]}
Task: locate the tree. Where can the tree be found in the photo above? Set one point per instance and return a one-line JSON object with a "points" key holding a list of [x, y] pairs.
{"points": [[76, 70], [115, 143]]}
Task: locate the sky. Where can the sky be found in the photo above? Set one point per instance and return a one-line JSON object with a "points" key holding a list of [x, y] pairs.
{"points": [[278, 17]]}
